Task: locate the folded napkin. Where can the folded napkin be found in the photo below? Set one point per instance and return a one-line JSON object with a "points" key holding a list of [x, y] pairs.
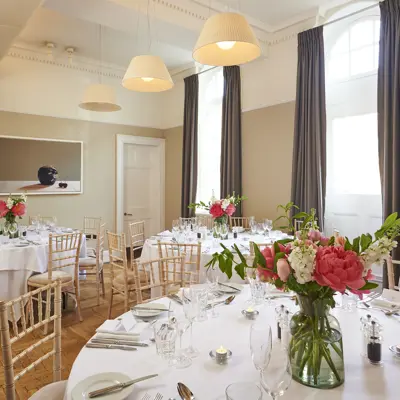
{"points": [[166, 234], [386, 304], [115, 329]]}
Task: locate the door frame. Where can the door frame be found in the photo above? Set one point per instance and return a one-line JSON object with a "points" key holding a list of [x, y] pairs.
{"points": [[121, 140]]}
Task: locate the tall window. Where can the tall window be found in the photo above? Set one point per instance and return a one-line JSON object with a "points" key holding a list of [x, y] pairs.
{"points": [[211, 87], [353, 190]]}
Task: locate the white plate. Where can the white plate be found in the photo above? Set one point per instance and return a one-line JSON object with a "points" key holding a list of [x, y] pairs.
{"points": [[100, 381], [21, 244], [239, 229], [148, 313], [225, 289]]}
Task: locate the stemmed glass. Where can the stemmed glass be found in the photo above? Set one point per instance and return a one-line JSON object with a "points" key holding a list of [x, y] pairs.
{"points": [[191, 310], [277, 376], [260, 229], [253, 226], [212, 282], [175, 228], [267, 225], [260, 344], [181, 360]]}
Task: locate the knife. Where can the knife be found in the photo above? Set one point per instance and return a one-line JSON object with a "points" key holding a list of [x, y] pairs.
{"points": [[149, 308], [229, 286], [175, 298], [109, 346], [119, 386], [119, 342]]}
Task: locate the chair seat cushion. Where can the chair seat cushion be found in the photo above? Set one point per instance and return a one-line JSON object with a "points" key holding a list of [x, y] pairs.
{"points": [[43, 279], [119, 280], [88, 262], [53, 391]]}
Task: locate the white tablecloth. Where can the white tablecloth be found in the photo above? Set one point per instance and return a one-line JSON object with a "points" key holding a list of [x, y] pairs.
{"points": [[17, 264], [208, 380]]}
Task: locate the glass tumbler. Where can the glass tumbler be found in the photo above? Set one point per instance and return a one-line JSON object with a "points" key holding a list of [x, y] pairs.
{"points": [[165, 335], [243, 390]]}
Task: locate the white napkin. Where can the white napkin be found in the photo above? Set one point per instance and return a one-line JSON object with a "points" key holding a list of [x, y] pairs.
{"points": [[386, 304], [166, 234], [115, 329]]}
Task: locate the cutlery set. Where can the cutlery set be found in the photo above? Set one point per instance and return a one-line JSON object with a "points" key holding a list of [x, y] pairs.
{"points": [[394, 311]]}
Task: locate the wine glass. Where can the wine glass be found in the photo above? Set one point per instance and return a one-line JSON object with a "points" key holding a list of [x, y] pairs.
{"points": [[267, 225], [260, 344], [191, 310], [260, 228], [253, 226], [212, 282], [181, 360], [277, 376]]}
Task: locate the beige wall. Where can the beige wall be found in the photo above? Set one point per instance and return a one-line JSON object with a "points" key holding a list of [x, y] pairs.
{"points": [[173, 174], [267, 140], [98, 198]]}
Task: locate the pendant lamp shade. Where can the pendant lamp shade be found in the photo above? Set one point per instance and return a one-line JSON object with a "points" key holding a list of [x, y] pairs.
{"points": [[99, 97], [147, 74], [226, 39]]}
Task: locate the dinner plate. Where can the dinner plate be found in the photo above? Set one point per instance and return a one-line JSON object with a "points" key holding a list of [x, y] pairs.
{"points": [[99, 381], [21, 244], [148, 313], [226, 289]]}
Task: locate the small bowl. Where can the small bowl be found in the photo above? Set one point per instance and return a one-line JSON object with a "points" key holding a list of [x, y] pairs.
{"points": [[250, 315], [213, 355]]}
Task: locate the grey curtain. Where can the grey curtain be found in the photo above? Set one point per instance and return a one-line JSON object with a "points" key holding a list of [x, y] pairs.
{"points": [[231, 143], [189, 157], [389, 112], [309, 150]]}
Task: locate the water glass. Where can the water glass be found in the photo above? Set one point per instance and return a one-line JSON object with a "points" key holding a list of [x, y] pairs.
{"points": [[243, 390], [267, 225], [257, 290], [213, 286], [349, 301], [260, 229], [191, 310], [165, 335], [253, 227], [181, 360], [202, 298], [260, 344]]}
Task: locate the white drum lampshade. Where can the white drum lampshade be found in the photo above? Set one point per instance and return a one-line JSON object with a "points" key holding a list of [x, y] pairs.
{"points": [[226, 39], [147, 74], [99, 97]]}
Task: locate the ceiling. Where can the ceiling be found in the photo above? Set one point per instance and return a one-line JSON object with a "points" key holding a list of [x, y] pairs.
{"points": [[168, 28]]}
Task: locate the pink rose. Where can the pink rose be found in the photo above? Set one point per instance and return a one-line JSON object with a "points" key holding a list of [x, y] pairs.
{"points": [[340, 241], [19, 209], [314, 235], [338, 269], [3, 209], [267, 274], [298, 234], [283, 269], [324, 241], [216, 210], [230, 210]]}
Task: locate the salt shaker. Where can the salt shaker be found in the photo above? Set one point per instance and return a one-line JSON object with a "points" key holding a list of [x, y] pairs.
{"points": [[280, 311]]}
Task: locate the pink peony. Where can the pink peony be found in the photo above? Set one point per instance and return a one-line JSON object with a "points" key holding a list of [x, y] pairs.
{"points": [[230, 209], [3, 209], [324, 241], [216, 210], [314, 235], [283, 269], [338, 269], [19, 209]]}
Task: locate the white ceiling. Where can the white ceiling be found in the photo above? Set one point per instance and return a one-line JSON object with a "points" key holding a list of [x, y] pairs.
{"points": [[128, 25]]}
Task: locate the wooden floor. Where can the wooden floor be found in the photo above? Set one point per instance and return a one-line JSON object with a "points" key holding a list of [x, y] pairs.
{"points": [[74, 336]]}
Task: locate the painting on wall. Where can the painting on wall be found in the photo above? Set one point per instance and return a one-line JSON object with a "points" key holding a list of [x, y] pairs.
{"points": [[40, 166]]}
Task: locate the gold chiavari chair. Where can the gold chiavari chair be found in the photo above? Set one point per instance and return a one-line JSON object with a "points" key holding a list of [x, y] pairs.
{"points": [[297, 224], [93, 265], [206, 220], [390, 271], [29, 324], [165, 274], [192, 254], [91, 226], [63, 253], [136, 230], [243, 222]]}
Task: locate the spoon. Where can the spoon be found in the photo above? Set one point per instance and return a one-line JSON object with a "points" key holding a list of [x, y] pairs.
{"points": [[184, 392], [226, 302]]}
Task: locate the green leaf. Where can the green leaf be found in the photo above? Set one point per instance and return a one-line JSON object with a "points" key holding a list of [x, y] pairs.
{"points": [[241, 256], [347, 245], [390, 220], [284, 241], [277, 257], [228, 268], [300, 215], [259, 258], [369, 286], [331, 241], [356, 245], [240, 268], [365, 242], [221, 263]]}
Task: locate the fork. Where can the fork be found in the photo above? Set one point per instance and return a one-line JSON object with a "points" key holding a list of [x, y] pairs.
{"points": [[159, 396], [146, 397]]}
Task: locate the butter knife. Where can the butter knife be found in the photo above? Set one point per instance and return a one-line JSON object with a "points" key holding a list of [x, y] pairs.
{"points": [[119, 386], [229, 286], [175, 298], [119, 342], [109, 346]]}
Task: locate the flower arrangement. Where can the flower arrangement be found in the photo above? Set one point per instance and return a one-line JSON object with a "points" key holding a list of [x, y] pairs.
{"points": [[13, 207], [220, 209], [315, 268]]}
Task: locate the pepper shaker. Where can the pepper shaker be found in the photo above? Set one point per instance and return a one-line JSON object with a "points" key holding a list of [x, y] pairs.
{"points": [[374, 348]]}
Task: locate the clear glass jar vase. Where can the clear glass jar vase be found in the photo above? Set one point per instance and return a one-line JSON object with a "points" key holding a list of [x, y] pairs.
{"points": [[12, 228], [316, 347]]}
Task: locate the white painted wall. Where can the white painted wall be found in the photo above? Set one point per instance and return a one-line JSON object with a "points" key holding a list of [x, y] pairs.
{"points": [[44, 89]]}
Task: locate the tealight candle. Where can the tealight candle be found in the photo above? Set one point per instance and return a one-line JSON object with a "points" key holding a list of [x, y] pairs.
{"points": [[249, 310], [221, 355], [250, 313]]}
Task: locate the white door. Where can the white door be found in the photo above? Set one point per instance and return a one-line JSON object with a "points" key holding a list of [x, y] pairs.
{"points": [[140, 188]]}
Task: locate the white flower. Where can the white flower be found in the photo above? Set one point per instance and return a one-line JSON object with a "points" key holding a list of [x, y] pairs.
{"points": [[10, 203], [302, 260], [225, 204], [377, 252], [23, 198]]}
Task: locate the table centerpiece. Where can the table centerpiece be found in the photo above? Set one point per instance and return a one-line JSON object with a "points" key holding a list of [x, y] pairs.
{"points": [[315, 267], [11, 209], [220, 210]]}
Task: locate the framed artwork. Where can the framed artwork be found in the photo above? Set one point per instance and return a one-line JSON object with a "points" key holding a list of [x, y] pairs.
{"points": [[40, 166]]}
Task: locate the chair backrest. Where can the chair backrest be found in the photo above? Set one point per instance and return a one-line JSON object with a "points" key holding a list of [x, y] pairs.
{"points": [[390, 271], [91, 226], [244, 222], [138, 238], [261, 246], [28, 325], [100, 244], [118, 258], [206, 220], [64, 252], [297, 224], [162, 273], [191, 251]]}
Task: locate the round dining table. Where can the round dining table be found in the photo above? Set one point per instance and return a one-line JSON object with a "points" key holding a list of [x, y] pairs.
{"points": [[208, 380]]}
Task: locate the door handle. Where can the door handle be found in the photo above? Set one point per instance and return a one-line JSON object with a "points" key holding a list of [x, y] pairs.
{"points": [[128, 215]]}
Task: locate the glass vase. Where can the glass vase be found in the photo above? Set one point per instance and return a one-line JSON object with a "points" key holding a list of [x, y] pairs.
{"points": [[316, 348]]}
